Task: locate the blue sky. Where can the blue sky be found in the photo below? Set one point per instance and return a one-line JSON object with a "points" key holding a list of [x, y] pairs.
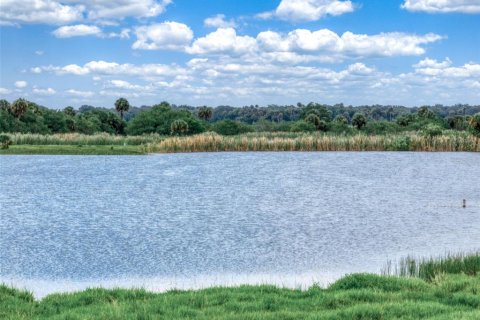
{"points": [[226, 52]]}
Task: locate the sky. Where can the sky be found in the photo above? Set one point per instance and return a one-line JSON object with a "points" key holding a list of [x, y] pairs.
{"points": [[62, 53]]}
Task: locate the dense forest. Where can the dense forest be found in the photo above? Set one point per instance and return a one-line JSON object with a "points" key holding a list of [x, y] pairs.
{"points": [[166, 119]]}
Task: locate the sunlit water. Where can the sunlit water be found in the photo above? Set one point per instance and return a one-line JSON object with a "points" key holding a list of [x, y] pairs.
{"points": [[197, 220]]}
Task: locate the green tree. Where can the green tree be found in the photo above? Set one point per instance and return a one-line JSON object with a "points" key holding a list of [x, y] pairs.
{"points": [[122, 105], [179, 127], [205, 113], [19, 107], [359, 120], [341, 119], [231, 128], [70, 111], [313, 119], [474, 128], [159, 120]]}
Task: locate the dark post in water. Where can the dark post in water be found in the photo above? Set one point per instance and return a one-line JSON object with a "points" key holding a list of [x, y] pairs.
{"points": [[464, 203]]}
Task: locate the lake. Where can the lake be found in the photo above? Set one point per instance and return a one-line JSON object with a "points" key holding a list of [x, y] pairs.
{"points": [[198, 220]]}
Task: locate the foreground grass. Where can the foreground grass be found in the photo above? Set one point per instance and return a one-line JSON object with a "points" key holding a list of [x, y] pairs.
{"points": [[72, 150], [360, 296]]}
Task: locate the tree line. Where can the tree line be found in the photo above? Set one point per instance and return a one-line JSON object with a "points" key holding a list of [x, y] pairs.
{"points": [[166, 119]]}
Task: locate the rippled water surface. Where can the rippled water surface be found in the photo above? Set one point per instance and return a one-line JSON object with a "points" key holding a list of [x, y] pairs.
{"points": [[195, 220]]}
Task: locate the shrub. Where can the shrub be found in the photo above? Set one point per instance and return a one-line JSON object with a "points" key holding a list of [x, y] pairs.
{"points": [[5, 141], [302, 126], [231, 128]]}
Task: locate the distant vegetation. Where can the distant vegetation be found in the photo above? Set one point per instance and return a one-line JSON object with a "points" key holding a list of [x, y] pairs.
{"points": [[311, 127], [450, 292]]}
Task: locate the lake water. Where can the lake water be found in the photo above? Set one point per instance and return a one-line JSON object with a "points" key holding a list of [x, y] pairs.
{"points": [[197, 220]]}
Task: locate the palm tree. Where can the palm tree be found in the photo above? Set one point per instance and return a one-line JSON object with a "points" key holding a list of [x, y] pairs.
{"points": [[19, 107], [205, 113], [359, 120], [122, 105], [179, 127]]}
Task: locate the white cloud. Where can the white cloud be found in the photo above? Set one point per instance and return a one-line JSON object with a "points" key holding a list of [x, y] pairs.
{"points": [[167, 35], [78, 93], [434, 68], [78, 30], [443, 6], [112, 68], [43, 92], [308, 10], [5, 90], [21, 84], [39, 11], [219, 21], [122, 84], [58, 12], [303, 45], [221, 78], [39, 53], [223, 40]]}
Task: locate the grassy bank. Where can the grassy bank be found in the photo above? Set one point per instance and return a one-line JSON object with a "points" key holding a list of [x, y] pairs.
{"points": [[212, 142], [359, 296], [448, 288], [72, 150]]}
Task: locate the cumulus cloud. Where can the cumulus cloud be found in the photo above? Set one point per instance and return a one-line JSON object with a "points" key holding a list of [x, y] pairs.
{"points": [[43, 91], [79, 93], [304, 45], [5, 90], [167, 36], [112, 68], [308, 10], [219, 21], [443, 6], [444, 69], [223, 40], [82, 30], [78, 30], [64, 12], [21, 84], [220, 78]]}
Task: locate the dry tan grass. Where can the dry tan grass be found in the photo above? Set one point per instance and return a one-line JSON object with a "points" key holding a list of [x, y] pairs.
{"points": [[211, 142]]}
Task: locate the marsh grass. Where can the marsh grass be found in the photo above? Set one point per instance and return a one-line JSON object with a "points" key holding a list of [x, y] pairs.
{"points": [[211, 142], [281, 141], [101, 139], [430, 268]]}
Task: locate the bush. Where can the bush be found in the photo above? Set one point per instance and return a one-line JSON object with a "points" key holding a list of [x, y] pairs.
{"points": [[5, 141], [231, 128], [401, 144], [432, 130], [302, 126]]}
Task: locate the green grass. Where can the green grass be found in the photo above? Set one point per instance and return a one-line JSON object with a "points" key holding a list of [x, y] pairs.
{"points": [[73, 150], [359, 296], [430, 268]]}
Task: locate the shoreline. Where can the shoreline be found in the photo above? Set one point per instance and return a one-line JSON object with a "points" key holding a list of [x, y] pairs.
{"points": [[102, 144], [355, 296]]}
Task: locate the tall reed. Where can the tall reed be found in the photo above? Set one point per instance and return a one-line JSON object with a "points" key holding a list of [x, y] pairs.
{"points": [[211, 142], [429, 268]]}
